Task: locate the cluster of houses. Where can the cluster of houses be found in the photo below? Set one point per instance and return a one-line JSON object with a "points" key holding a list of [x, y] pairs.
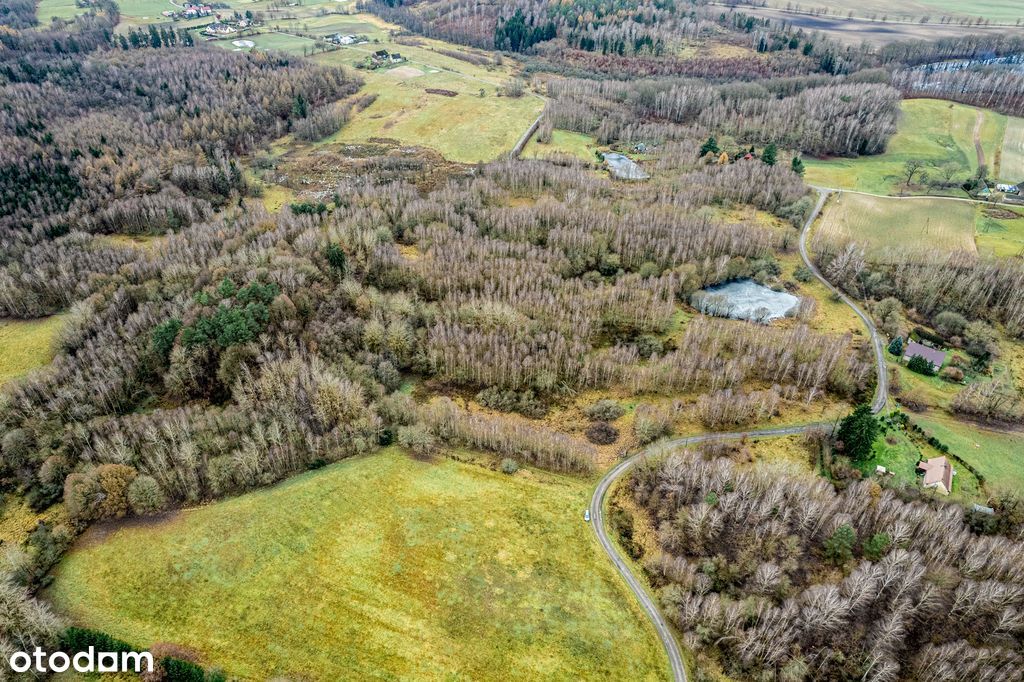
{"points": [[346, 39], [383, 58], [190, 11]]}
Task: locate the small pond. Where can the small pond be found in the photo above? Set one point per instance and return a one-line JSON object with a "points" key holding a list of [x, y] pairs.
{"points": [[623, 167], [745, 299]]}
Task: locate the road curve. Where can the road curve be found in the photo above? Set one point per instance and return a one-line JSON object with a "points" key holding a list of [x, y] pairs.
{"points": [[668, 640]]}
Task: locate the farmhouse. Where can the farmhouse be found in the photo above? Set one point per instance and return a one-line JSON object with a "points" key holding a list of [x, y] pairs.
{"points": [[938, 474], [932, 355], [219, 29], [339, 39], [380, 56]]}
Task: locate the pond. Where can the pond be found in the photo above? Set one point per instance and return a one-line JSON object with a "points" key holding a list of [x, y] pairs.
{"points": [[623, 167], [745, 299]]}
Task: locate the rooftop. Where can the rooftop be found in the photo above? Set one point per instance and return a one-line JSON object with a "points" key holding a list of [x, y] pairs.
{"points": [[938, 473], [932, 355]]}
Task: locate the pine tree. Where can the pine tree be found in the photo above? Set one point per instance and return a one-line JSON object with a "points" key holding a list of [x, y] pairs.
{"points": [[797, 166], [857, 432], [710, 146], [770, 154], [896, 346]]}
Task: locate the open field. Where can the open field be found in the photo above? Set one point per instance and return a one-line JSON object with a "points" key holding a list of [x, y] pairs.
{"points": [[26, 345], [394, 568], [999, 233], [880, 224], [933, 131], [998, 455], [1012, 167], [861, 28], [913, 10], [563, 142]]}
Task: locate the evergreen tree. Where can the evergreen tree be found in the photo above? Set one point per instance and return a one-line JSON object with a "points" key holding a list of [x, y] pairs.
{"points": [[896, 346], [770, 154], [839, 546], [710, 146], [797, 166], [857, 432]]}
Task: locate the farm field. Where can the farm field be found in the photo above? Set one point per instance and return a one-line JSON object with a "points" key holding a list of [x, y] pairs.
{"points": [[914, 10], [915, 225], [933, 131], [473, 571], [1012, 167], [26, 345]]}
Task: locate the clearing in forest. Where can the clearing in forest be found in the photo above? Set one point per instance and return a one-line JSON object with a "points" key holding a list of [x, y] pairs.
{"points": [[939, 133], [913, 11], [26, 345], [377, 566], [890, 228]]}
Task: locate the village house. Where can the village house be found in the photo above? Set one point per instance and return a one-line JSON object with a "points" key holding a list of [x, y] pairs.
{"points": [[938, 474], [339, 39], [1008, 189], [932, 355], [219, 29]]}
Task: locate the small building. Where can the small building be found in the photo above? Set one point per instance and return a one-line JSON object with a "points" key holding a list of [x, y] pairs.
{"points": [[395, 58], [380, 56], [932, 355], [881, 470], [938, 474], [339, 39], [1007, 189], [982, 509]]}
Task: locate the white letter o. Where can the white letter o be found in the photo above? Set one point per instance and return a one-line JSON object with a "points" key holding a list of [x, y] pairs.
{"points": [[53, 662], [20, 668]]}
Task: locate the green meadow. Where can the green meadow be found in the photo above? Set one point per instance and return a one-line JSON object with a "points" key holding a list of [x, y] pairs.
{"points": [[997, 455], [934, 131], [383, 567], [26, 345]]}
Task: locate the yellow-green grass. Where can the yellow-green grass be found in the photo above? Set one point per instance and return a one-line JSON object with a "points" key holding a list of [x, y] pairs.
{"points": [[933, 131], [465, 128], [891, 227], [1012, 167], [832, 315], [382, 567], [997, 455], [563, 142], [998, 234], [26, 345], [60, 9]]}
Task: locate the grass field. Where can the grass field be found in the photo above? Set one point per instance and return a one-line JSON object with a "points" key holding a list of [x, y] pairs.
{"points": [[26, 345], [563, 142], [879, 224], [999, 233], [381, 567], [998, 455], [913, 10], [933, 131], [1012, 167]]}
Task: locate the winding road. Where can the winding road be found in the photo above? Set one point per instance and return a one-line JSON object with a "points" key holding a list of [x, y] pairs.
{"points": [[646, 600]]}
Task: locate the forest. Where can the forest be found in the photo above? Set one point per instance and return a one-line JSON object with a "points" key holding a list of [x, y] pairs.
{"points": [[781, 577]]}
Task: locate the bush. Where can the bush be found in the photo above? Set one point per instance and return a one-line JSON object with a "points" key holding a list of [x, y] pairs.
{"points": [[177, 670], [602, 433], [509, 466], [76, 639], [650, 425], [417, 439], [803, 274], [953, 374], [145, 496], [839, 546], [921, 366], [525, 403], [604, 410], [949, 323]]}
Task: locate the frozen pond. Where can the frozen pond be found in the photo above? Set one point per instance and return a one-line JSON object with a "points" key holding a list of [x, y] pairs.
{"points": [[623, 167], [745, 299]]}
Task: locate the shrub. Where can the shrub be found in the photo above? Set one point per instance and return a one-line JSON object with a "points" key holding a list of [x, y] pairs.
{"points": [[954, 374], [650, 425], [75, 639], [145, 496], [114, 480], [602, 433], [949, 323], [177, 670], [604, 410], [839, 546], [509, 466], [876, 547], [417, 439], [921, 366], [803, 274]]}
